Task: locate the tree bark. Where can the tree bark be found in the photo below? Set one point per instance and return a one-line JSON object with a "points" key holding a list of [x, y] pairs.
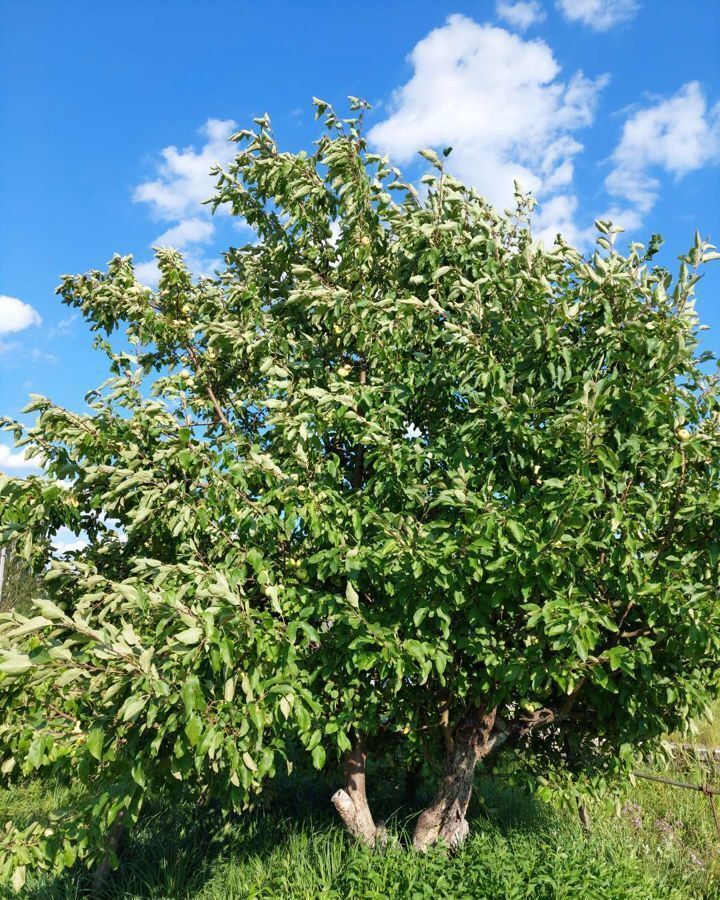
{"points": [[475, 737], [351, 800], [444, 820], [584, 816], [104, 870]]}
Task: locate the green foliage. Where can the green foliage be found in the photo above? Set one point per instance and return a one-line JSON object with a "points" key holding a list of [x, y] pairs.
{"points": [[19, 584], [396, 458]]}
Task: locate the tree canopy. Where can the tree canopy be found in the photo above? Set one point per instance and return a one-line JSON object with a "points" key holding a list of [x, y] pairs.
{"points": [[398, 476]]}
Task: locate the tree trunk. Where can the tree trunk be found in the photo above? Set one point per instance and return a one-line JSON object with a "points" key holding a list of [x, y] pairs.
{"points": [[351, 800], [444, 820], [104, 870]]}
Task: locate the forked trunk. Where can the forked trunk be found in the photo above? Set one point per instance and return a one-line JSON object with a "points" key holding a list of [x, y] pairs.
{"points": [[444, 820], [351, 800]]}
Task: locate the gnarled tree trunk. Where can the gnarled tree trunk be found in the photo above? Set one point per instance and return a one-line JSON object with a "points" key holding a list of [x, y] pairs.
{"points": [[351, 800], [444, 820]]}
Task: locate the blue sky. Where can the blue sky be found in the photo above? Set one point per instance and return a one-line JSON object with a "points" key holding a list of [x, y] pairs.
{"points": [[111, 113]]}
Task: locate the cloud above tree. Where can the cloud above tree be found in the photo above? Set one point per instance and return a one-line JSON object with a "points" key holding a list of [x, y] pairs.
{"points": [[177, 195], [500, 102], [675, 135]]}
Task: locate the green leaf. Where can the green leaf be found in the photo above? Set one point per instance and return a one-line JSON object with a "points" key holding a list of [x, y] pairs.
{"points": [[351, 595], [516, 530], [318, 756], [419, 615], [614, 656], [432, 157], [190, 636], [132, 708], [18, 878], [14, 663], [193, 729], [36, 752], [48, 609], [32, 625], [95, 742], [229, 689]]}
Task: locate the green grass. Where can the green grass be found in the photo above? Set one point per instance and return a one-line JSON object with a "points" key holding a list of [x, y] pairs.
{"points": [[708, 730], [660, 845]]}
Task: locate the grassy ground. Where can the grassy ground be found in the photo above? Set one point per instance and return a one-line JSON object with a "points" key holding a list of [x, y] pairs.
{"points": [[708, 730], [659, 843]]}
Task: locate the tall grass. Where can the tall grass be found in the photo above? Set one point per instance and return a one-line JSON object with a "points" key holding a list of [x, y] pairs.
{"points": [[657, 843], [708, 729]]}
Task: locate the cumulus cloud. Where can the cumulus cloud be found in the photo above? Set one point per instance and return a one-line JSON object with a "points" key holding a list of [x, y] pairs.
{"points": [[66, 541], [189, 231], [521, 14], [177, 194], [599, 15], [16, 462], [558, 215], [16, 315], [184, 181], [678, 135], [147, 273], [497, 99]]}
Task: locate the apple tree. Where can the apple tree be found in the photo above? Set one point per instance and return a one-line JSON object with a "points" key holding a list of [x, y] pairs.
{"points": [[398, 476]]}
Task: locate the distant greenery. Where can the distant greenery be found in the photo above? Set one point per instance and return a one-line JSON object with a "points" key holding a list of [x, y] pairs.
{"points": [[518, 848]]}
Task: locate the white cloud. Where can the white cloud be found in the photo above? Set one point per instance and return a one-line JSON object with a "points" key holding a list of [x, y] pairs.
{"points": [[184, 180], [16, 462], [64, 326], [498, 101], [147, 273], [556, 216], [66, 541], [16, 315], [177, 196], [189, 231], [521, 14], [598, 14], [678, 135]]}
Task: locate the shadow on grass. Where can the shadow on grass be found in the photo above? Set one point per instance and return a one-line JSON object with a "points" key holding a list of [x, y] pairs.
{"points": [[178, 849]]}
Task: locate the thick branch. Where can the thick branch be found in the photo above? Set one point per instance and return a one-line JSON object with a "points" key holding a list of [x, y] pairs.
{"points": [[351, 800], [444, 820], [524, 725], [445, 726]]}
